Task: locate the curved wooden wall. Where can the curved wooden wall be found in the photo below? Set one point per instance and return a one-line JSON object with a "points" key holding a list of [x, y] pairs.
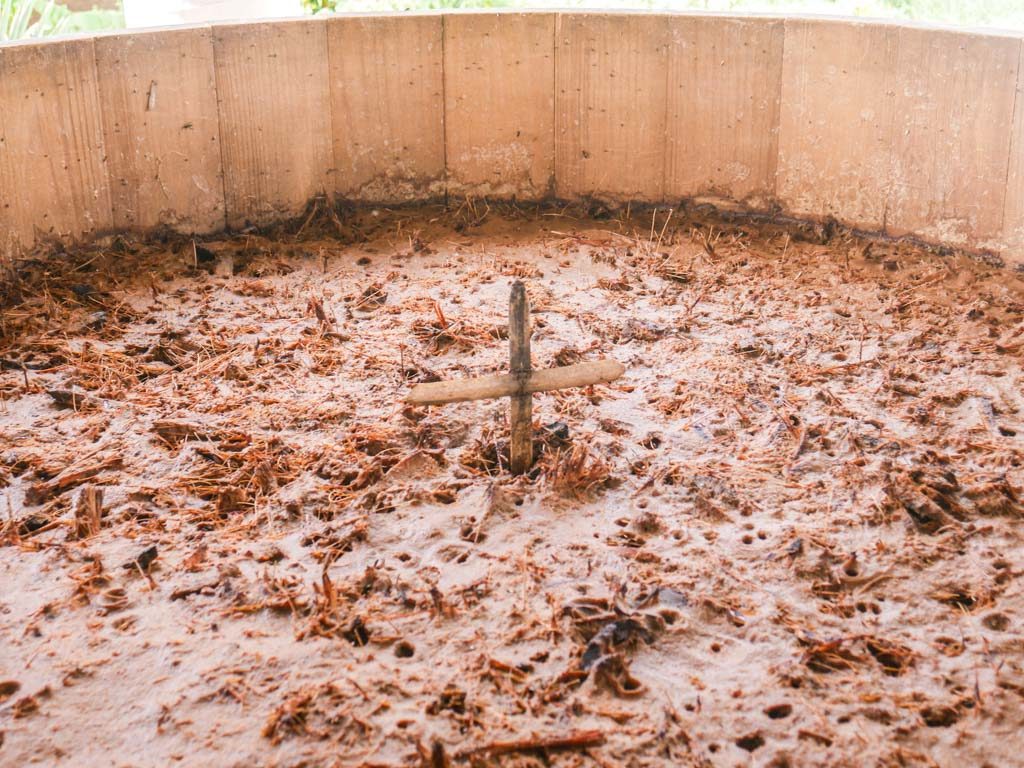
{"points": [[888, 128]]}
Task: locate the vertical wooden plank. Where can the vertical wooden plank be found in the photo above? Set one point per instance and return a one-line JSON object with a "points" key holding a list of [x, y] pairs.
{"points": [[275, 117], [954, 112], [610, 108], [836, 120], [388, 103], [159, 99], [724, 81], [1013, 217], [499, 104], [52, 176], [520, 366]]}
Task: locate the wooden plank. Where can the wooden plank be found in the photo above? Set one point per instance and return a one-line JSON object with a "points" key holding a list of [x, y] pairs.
{"points": [[520, 366], [954, 112], [53, 182], [836, 120], [610, 109], [506, 385], [275, 117], [724, 83], [1013, 217], [159, 98], [386, 86], [499, 89]]}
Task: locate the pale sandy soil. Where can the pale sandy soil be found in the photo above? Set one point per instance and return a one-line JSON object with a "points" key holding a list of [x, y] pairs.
{"points": [[789, 535]]}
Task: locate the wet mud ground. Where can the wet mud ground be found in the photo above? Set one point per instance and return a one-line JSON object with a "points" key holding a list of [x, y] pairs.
{"points": [[789, 535]]}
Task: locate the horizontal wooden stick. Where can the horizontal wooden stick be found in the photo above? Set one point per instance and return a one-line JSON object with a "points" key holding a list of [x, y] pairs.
{"points": [[580, 375]]}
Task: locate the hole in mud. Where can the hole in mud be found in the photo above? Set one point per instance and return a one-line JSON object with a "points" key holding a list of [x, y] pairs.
{"points": [[651, 441], [851, 567], [630, 684], [715, 647], [405, 557], [999, 622], [939, 717], [404, 650], [750, 742], [8, 688], [712, 748], [958, 599], [748, 539], [779, 711], [358, 634]]}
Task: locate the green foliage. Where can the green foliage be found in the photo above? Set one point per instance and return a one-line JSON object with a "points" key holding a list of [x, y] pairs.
{"points": [[21, 19], [29, 18], [98, 20], [318, 6], [1005, 13], [43, 18]]}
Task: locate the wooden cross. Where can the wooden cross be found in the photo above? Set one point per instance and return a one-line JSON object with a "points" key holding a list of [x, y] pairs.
{"points": [[520, 383]]}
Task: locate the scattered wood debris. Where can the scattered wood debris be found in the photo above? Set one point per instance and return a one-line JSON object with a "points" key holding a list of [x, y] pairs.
{"points": [[789, 535]]}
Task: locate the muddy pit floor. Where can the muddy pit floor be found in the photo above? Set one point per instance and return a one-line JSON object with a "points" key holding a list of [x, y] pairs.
{"points": [[789, 535]]}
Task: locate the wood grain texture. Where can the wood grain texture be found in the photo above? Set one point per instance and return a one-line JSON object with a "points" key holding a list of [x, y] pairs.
{"points": [[836, 120], [520, 366], [53, 182], [386, 87], [610, 108], [1013, 216], [499, 104], [159, 99], [506, 385], [951, 146], [275, 117], [724, 83]]}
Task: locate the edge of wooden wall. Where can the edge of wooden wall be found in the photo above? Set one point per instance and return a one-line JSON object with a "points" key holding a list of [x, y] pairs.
{"points": [[892, 128]]}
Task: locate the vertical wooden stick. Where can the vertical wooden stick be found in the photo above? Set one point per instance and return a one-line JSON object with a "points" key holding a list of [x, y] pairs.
{"points": [[89, 512], [520, 367]]}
